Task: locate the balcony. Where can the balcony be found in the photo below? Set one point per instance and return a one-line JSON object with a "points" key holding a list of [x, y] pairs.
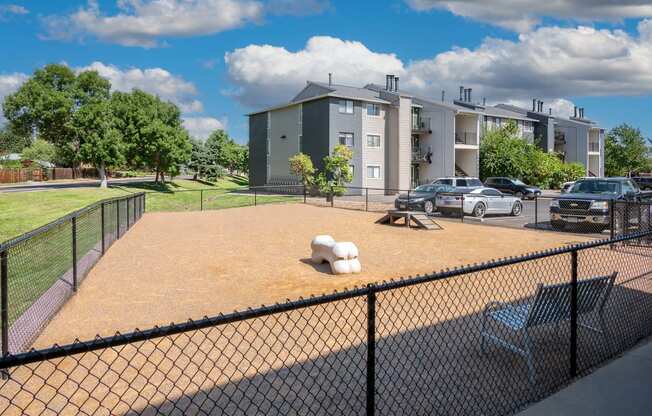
{"points": [[466, 137], [419, 155], [594, 147], [420, 124]]}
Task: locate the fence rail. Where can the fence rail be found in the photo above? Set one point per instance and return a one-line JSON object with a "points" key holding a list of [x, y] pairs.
{"points": [[41, 269]]}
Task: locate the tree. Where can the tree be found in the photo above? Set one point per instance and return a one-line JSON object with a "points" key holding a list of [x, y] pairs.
{"points": [[337, 170], [12, 142], [199, 159], [100, 142], [40, 150], [47, 102], [153, 133], [626, 151], [301, 166]]}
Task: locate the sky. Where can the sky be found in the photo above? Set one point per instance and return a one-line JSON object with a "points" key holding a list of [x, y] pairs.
{"points": [[220, 59]]}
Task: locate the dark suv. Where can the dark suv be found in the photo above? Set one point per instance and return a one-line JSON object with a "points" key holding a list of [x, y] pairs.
{"points": [[514, 187], [588, 202]]}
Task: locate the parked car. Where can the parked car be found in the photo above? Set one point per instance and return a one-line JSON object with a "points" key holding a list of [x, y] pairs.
{"points": [[587, 202], [461, 183], [479, 202], [644, 182], [422, 198], [514, 187]]}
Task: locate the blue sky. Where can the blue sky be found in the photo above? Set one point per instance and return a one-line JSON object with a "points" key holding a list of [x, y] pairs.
{"points": [[219, 59]]}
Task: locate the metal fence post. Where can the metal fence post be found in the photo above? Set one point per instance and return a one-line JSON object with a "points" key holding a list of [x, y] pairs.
{"points": [[117, 219], [4, 306], [332, 197], [612, 217], [201, 200], [74, 254], [573, 317], [366, 199], [536, 211], [462, 210], [102, 229], [371, 351]]}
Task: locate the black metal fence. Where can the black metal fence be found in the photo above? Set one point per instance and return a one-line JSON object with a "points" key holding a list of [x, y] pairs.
{"points": [[41, 269], [411, 346]]}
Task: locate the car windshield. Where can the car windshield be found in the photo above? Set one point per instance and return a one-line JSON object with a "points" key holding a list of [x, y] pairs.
{"points": [[426, 188], [594, 187], [473, 182]]}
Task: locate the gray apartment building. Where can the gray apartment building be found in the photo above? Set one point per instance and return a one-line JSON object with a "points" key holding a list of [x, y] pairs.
{"points": [[400, 140]]}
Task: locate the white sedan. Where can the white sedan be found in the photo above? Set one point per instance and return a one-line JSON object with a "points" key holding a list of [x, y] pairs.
{"points": [[479, 202]]}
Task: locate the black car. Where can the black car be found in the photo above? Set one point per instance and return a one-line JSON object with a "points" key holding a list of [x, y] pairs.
{"points": [[588, 202], [422, 198], [513, 186], [644, 182]]}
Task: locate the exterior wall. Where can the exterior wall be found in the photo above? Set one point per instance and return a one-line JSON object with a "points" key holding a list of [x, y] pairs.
{"points": [[467, 123], [316, 134], [347, 123], [441, 143], [544, 131], [285, 122], [373, 125], [258, 149], [576, 135], [404, 142], [391, 148], [468, 160]]}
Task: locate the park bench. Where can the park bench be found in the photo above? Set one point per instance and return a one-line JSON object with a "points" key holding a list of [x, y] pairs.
{"points": [[550, 305]]}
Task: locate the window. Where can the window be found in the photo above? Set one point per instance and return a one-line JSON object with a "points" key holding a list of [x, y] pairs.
{"points": [[461, 182], [373, 140], [346, 139], [346, 106], [352, 169], [444, 182], [373, 171], [373, 109], [491, 192], [473, 182]]}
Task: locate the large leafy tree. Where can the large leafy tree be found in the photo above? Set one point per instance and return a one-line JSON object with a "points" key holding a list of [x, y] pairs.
{"points": [[12, 142], [47, 104], [225, 152], [626, 151], [40, 150], [153, 133]]}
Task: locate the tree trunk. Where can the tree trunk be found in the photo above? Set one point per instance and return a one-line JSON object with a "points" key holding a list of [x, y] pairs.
{"points": [[103, 179], [157, 175]]}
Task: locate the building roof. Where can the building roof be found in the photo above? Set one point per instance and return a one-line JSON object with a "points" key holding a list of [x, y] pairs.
{"points": [[495, 111]]}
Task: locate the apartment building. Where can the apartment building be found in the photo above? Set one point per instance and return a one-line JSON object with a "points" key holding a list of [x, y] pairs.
{"points": [[400, 140]]}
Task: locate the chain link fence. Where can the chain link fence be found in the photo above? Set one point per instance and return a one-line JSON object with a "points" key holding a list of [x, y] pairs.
{"points": [[41, 269], [483, 339]]}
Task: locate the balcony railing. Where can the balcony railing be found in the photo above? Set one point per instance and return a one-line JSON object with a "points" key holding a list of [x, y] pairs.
{"points": [[466, 137], [420, 123], [418, 154], [594, 147]]}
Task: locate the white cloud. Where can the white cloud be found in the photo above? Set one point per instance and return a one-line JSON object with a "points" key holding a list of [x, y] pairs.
{"points": [[265, 74], [11, 9], [524, 15], [152, 80], [144, 22], [202, 127], [9, 84], [548, 63]]}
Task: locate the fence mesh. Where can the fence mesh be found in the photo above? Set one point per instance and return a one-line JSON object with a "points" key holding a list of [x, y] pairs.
{"points": [[487, 339], [42, 271]]}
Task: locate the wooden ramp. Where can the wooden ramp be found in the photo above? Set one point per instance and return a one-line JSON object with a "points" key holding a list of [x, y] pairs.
{"points": [[411, 219]]}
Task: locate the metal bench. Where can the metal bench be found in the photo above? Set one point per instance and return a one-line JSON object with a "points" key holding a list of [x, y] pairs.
{"points": [[551, 304]]}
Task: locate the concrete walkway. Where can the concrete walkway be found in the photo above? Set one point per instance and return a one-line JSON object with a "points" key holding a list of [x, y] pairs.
{"points": [[622, 387]]}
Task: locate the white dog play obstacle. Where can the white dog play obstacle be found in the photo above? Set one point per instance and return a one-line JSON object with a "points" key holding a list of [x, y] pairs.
{"points": [[343, 256]]}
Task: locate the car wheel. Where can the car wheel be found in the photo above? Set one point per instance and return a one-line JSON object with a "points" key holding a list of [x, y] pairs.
{"points": [[558, 225], [429, 207], [517, 209], [479, 210]]}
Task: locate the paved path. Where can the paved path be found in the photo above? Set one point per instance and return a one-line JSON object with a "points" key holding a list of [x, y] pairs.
{"points": [[622, 388], [80, 183]]}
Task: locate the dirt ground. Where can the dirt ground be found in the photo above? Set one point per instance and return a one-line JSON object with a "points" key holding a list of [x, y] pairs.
{"points": [[172, 266]]}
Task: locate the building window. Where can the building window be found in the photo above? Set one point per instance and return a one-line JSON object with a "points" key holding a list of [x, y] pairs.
{"points": [[346, 106], [346, 139], [373, 171], [352, 169], [373, 140], [527, 126], [373, 109]]}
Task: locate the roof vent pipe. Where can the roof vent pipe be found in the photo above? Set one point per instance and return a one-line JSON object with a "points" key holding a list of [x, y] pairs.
{"points": [[470, 90], [461, 92], [443, 96], [550, 110], [541, 106], [330, 79], [386, 82], [396, 84], [534, 104], [484, 101], [575, 111]]}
